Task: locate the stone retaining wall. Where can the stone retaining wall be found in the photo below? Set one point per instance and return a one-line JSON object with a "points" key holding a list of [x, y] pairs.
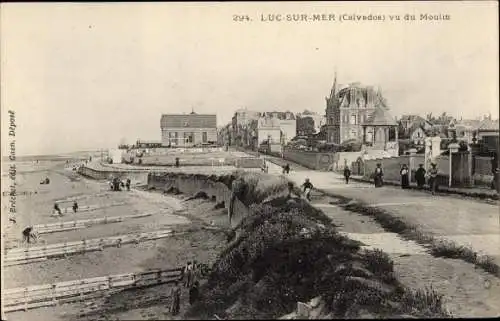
{"points": [[191, 184]]}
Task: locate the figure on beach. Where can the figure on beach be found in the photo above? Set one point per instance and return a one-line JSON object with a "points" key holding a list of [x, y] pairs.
{"points": [[194, 292], [175, 295], [57, 209], [27, 234]]}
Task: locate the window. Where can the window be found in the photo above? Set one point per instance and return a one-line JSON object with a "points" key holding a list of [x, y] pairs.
{"points": [[354, 120], [204, 137]]}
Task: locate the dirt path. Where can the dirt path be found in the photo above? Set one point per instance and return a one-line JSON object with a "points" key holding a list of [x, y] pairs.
{"points": [[469, 292]]}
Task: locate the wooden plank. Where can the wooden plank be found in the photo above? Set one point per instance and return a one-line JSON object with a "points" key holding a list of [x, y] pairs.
{"points": [[69, 291], [81, 246]]}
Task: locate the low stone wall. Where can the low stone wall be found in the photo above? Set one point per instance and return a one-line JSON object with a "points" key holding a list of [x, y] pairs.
{"points": [[191, 184], [135, 176], [199, 160], [249, 162], [312, 160]]}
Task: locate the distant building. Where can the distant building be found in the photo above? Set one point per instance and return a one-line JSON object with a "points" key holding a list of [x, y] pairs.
{"points": [[418, 135], [488, 134], [240, 123], [358, 113], [465, 130], [186, 130], [268, 129], [410, 123], [148, 144], [287, 124]]}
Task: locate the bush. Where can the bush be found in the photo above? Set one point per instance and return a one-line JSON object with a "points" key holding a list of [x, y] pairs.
{"points": [[285, 254]]}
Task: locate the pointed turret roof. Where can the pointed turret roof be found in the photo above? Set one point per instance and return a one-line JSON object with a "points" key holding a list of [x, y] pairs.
{"points": [[381, 117], [333, 91]]}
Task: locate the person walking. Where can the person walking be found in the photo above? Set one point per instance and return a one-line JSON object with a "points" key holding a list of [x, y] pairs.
{"points": [[433, 172], [194, 292], [127, 184], [420, 176], [75, 207], [308, 186], [287, 169], [378, 176], [347, 174], [27, 233], [188, 273], [405, 177], [57, 209], [175, 295]]}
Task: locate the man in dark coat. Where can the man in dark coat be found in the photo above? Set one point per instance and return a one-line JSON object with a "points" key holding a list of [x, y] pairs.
{"points": [[347, 174], [75, 207], [420, 176]]}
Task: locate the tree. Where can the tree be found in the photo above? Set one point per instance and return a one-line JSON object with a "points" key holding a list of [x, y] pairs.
{"points": [[305, 126]]}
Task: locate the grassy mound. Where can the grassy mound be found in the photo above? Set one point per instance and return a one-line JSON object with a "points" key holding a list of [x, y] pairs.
{"points": [[287, 252]]}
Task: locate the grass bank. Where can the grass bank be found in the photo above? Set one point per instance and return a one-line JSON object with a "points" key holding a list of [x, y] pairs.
{"points": [[438, 248], [287, 251]]}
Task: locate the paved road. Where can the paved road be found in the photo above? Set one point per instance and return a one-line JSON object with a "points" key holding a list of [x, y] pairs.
{"points": [[465, 221]]}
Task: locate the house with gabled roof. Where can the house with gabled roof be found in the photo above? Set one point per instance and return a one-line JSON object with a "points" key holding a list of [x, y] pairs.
{"points": [[187, 130], [361, 113]]}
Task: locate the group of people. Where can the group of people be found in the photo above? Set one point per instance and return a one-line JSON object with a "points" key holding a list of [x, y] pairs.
{"points": [[116, 184], [420, 176], [190, 276], [58, 209]]}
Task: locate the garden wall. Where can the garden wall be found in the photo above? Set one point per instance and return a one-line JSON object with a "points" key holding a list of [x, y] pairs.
{"points": [[311, 160]]}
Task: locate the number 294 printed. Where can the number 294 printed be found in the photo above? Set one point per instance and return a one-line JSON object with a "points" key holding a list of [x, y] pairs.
{"points": [[241, 18]]}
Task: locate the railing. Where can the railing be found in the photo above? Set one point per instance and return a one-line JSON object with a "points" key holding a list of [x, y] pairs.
{"points": [[73, 225], [51, 294], [33, 254]]}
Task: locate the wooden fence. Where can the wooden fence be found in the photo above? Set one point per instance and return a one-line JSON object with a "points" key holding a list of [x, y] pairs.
{"points": [[87, 208], [73, 225], [52, 294], [29, 255]]}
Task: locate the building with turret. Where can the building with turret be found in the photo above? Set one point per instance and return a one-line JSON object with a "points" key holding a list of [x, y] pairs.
{"points": [[360, 113]]}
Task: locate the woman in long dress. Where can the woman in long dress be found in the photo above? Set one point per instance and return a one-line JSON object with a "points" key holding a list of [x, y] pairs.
{"points": [[405, 180], [378, 176]]}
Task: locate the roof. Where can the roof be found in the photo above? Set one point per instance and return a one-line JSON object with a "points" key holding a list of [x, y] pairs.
{"points": [[381, 117], [268, 122], [489, 124], [280, 114], [188, 121], [473, 123]]}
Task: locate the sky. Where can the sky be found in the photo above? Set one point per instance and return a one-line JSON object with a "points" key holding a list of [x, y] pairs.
{"points": [[89, 76]]}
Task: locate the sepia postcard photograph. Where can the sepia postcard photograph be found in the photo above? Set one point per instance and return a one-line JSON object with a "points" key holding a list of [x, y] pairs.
{"points": [[249, 160]]}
